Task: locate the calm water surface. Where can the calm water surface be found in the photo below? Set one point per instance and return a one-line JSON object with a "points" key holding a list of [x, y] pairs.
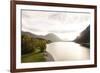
{"points": [[62, 51]]}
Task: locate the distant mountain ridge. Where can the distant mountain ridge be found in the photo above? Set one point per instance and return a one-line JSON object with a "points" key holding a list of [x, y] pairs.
{"points": [[50, 36]]}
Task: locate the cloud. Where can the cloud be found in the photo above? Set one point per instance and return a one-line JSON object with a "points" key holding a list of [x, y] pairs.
{"points": [[58, 22]]}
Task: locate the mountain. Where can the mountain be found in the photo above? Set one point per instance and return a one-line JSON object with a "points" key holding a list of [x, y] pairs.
{"points": [[84, 38], [50, 36]]}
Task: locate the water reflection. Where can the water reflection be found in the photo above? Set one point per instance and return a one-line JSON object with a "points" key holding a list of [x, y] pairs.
{"points": [[62, 51]]}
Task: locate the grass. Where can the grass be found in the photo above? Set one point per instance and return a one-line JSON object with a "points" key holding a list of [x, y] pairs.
{"points": [[33, 57]]}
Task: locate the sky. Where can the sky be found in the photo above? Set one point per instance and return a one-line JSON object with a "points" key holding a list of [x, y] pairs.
{"points": [[66, 25]]}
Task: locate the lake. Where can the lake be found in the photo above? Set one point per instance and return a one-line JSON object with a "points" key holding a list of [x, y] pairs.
{"points": [[63, 51]]}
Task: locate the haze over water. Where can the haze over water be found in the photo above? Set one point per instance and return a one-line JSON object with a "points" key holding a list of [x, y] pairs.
{"points": [[63, 51]]}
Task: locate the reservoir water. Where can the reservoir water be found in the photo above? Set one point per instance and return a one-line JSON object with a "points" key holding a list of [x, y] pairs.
{"points": [[63, 51]]}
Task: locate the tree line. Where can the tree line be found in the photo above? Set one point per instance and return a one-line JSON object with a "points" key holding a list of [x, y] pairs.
{"points": [[30, 44]]}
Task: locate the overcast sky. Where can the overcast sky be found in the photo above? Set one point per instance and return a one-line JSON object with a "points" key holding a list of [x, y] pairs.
{"points": [[66, 25]]}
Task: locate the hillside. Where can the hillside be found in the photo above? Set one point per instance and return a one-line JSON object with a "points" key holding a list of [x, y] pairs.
{"points": [[84, 38], [50, 36]]}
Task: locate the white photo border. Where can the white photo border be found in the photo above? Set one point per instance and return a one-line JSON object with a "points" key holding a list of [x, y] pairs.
{"points": [[20, 65]]}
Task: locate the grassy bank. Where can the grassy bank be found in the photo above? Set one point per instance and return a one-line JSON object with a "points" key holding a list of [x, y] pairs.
{"points": [[33, 57]]}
